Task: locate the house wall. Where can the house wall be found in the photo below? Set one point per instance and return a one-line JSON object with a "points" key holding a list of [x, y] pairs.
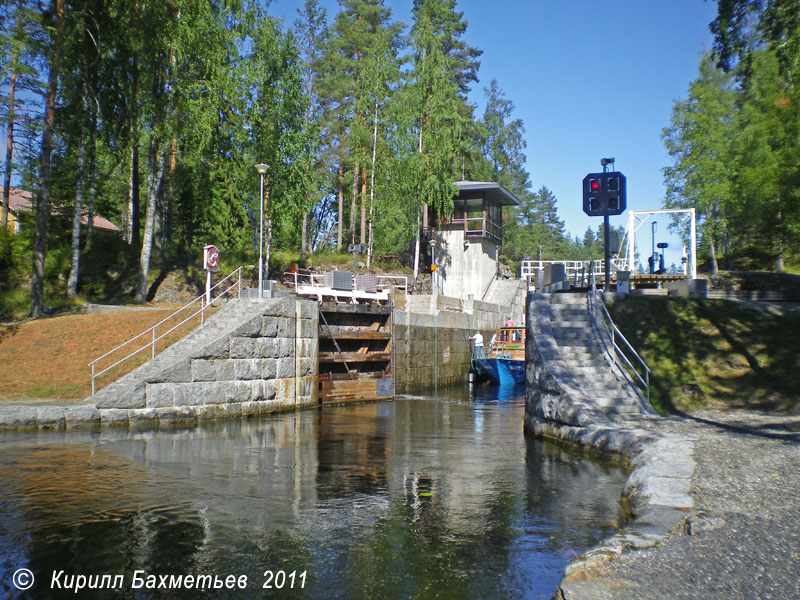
{"points": [[464, 272]]}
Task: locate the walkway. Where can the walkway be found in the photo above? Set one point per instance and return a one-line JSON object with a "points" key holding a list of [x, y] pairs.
{"points": [[741, 540]]}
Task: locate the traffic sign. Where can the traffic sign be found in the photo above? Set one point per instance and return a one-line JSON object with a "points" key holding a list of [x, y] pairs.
{"points": [[210, 258]]}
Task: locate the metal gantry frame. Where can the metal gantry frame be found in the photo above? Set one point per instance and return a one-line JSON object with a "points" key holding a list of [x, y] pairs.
{"points": [[637, 218]]}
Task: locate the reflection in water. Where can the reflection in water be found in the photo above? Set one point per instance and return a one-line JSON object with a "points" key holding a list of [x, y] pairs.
{"points": [[422, 497]]}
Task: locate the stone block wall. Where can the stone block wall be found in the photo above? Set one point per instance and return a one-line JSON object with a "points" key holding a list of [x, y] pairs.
{"points": [[253, 357], [657, 491]]}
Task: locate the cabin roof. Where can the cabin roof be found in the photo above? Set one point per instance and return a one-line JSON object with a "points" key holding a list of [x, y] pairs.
{"points": [[494, 192], [23, 201]]}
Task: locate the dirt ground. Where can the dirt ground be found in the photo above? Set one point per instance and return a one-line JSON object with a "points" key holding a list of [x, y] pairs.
{"points": [[48, 359]]}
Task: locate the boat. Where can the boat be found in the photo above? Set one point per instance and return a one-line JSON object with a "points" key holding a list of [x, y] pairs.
{"points": [[506, 361]]}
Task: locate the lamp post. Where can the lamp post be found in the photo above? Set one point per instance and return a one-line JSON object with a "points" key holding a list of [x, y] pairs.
{"points": [[262, 169], [434, 268], [653, 248]]}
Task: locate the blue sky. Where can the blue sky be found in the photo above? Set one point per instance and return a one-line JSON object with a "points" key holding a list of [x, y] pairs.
{"points": [[589, 79]]}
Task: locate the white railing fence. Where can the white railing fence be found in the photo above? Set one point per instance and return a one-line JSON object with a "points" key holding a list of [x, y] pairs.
{"points": [[575, 269], [385, 282], [636, 367], [152, 336]]}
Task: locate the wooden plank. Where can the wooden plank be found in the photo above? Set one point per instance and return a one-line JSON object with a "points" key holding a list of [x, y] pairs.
{"points": [[326, 357], [362, 390], [361, 375], [366, 309], [354, 334]]}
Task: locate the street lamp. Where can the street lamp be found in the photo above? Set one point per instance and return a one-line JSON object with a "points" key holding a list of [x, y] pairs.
{"points": [[262, 169]]}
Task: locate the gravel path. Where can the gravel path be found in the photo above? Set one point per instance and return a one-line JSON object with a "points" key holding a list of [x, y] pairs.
{"points": [[742, 539]]}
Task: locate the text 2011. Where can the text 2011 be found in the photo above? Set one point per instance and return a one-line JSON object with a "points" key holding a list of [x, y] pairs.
{"points": [[278, 580]]}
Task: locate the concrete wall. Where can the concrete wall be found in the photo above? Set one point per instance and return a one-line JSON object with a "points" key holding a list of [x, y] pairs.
{"points": [[431, 348], [464, 272]]}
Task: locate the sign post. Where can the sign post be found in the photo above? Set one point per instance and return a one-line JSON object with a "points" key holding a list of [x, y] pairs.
{"points": [[356, 249], [210, 263]]}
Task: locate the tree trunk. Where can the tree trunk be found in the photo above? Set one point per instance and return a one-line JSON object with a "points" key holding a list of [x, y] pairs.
{"points": [[10, 134], [154, 179], [363, 206], [372, 185], [92, 178], [419, 229], [43, 193], [416, 247], [80, 166], [173, 153], [354, 205], [341, 212], [713, 250], [267, 232], [134, 196], [304, 235], [779, 265], [132, 224]]}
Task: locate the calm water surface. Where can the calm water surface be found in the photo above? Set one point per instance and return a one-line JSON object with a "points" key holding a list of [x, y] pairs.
{"points": [[418, 498]]}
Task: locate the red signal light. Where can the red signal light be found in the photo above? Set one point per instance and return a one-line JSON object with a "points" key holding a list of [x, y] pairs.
{"points": [[594, 185]]}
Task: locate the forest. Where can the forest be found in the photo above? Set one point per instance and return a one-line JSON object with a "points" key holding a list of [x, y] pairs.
{"points": [[734, 141], [154, 115]]}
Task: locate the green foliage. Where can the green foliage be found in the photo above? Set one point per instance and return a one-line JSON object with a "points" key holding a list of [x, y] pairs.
{"points": [[164, 109], [712, 352], [735, 141]]}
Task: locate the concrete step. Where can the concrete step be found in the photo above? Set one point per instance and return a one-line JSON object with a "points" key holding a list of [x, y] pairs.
{"points": [[567, 298], [568, 309], [581, 356], [615, 402], [581, 345], [599, 388], [568, 329], [572, 321]]}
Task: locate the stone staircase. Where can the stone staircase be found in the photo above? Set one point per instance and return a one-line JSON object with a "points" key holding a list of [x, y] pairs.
{"points": [[583, 362], [249, 351]]}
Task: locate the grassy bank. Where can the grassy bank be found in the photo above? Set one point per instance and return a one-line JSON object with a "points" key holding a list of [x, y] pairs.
{"points": [[714, 353], [49, 358]]}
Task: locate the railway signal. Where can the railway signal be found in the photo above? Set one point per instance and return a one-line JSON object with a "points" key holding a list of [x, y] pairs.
{"points": [[604, 194]]}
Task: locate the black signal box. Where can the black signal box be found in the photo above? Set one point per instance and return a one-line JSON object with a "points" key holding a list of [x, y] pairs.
{"points": [[604, 194]]}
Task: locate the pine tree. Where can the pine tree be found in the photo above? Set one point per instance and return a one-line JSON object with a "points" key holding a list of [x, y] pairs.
{"points": [[434, 97]]}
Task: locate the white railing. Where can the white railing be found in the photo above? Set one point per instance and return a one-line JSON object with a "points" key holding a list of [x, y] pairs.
{"points": [[153, 337], [573, 268], [385, 282], [401, 282], [615, 335]]}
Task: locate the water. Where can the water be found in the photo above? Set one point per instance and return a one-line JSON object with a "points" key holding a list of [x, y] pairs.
{"points": [[420, 498]]}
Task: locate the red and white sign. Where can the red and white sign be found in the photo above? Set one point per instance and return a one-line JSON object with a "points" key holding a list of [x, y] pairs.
{"points": [[210, 258]]}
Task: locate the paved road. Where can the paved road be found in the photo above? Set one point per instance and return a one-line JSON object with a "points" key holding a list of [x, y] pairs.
{"points": [[742, 540]]}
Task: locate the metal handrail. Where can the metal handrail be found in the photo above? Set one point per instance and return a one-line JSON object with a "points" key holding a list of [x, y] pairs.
{"points": [[152, 330], [391, 278], [615, 334]]}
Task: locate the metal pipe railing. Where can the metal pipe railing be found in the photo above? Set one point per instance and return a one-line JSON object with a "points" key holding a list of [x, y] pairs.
{"points": [[615, 334], [152, 330]]}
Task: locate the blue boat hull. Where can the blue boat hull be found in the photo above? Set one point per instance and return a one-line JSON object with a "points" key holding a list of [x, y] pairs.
{"points": [[504, 371]]}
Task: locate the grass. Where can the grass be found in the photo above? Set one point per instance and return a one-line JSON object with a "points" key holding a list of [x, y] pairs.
{"points": [[49, 358], [713, 353]]}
